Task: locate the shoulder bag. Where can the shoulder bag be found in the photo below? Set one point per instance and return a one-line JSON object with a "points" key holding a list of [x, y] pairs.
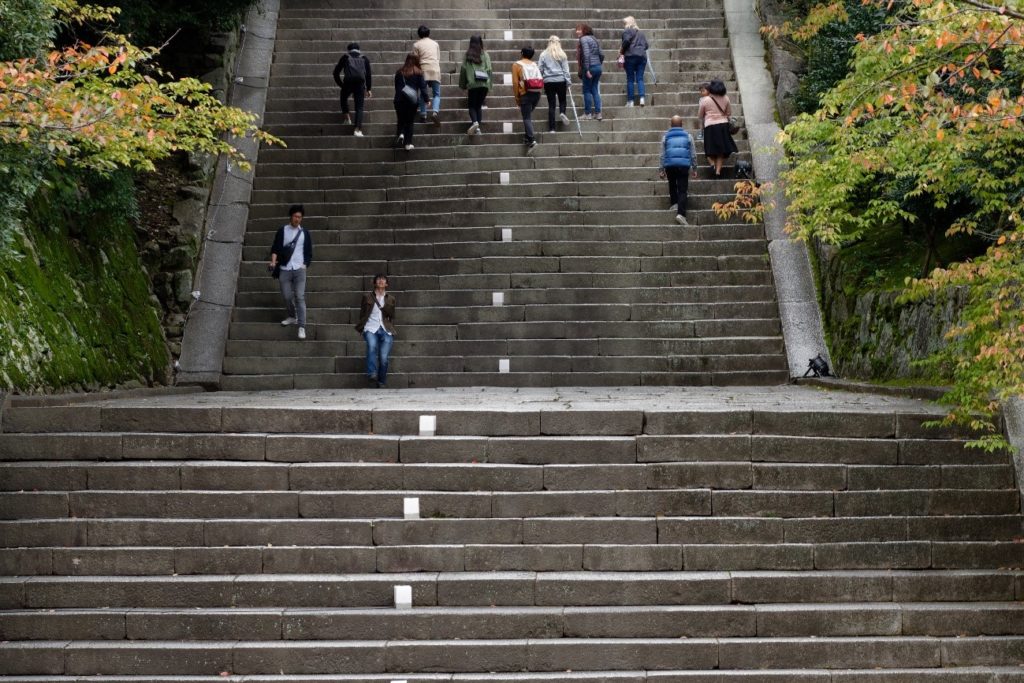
{"points": [[409, 93], [734, 123], [275, 270]]}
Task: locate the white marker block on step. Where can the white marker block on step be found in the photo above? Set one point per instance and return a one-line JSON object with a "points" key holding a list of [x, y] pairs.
{"points": [[498, 299], [411, 508], [503, 365], [508, 35], [505, 177], [403, 597], [402, 681], [506, 79], [428, 425], [506, 234], [506, 127]]}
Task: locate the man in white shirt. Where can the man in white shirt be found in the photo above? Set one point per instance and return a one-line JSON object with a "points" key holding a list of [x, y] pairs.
{"points": [[292, 251], [376, 324], [429, 53]]}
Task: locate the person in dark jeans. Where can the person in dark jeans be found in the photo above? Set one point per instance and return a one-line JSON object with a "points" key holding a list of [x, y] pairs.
{"points": [[376, 324], [477, 63], [554, 68], [292, 251], [410, 86], [354, 77], [527, 85], [678, 156]]}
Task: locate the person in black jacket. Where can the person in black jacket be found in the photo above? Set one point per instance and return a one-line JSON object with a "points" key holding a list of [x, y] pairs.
{"points": [[293, 252], [355, 78], [410, 86]]}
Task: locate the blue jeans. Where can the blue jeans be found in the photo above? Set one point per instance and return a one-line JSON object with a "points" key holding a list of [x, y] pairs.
{"points": [[635, 66], [382, 341], [592, 91], [435, 102]]}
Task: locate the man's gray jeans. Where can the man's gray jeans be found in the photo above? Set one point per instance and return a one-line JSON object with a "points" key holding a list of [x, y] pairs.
{"points": [[293, 289]]}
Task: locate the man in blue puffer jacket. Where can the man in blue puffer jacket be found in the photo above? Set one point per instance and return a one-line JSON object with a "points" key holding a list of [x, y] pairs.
{"points": [[678, 156]]}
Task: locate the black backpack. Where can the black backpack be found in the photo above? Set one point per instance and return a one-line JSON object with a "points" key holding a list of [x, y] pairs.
{"points": [[355, 69]]}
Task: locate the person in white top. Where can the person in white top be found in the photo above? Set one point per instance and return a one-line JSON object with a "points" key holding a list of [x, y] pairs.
{"points": [[290, 255], [376, 324], [429, 53]]}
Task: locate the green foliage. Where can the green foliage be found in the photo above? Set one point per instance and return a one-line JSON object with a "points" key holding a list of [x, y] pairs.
{"points": [[828, 52], [27, 28], [153, 22], [74, 299], [925, 134]]}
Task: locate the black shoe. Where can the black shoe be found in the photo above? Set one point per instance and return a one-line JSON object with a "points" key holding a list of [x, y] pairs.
{"points": [[382, 385], [372, 379]]}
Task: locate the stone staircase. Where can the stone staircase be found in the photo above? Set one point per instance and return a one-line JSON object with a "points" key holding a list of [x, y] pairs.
{"points": [[761, 535], [600, 286]]}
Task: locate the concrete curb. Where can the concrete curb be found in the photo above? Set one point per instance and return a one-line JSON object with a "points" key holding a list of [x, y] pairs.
{"points": [[206, 329], [1013, 415], [802, 329]]}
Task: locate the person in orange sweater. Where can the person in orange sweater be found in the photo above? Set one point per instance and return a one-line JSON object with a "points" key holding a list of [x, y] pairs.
{"points": [[527, 85]]}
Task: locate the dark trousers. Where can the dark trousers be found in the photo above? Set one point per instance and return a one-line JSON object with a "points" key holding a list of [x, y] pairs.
{"points": [[678, 180], [527, 103], [476, 104], [406, 118], [358, 93], [555, 90]]}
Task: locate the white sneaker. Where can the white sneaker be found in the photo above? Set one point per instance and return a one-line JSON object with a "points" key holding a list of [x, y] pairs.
{"points": [[674, 207], [302, 333], [409, 148], [681, 220], [401, 139], [642, 102], [565, 119], [531, 147], [629, 103], [473, 129], [358, 133], [288, 321]]}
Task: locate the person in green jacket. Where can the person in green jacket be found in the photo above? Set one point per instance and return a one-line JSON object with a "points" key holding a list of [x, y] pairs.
{"points": [[475, 78]]}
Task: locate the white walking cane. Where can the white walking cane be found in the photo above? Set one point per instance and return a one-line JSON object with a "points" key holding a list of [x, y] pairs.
{"points": [[650, 65], [575, 115]]}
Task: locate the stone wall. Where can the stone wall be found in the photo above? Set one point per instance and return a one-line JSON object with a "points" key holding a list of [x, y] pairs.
{"points": [[172, 255], [786, 64], [871, 335]]}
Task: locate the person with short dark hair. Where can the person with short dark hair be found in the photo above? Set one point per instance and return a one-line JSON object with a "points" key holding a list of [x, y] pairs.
{"points": [[527, 85], [475, 79], [590, 59], [355, 78], [429, 53], [678, 157], [292, 250], [376, 324], [714, 113], [409, 88]]}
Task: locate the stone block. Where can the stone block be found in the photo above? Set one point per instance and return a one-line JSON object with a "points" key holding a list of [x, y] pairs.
{"points": [[799, 477], [747, 557], [25, 562], [662, 621], [698, 422], [554, 504], [457, 656], [590, 530], [113, 561], [137, 476], [209, 624], [846, 530], [618, 558], [829, 653], [848, 424], [161, 419], [562, 450], [696, 530], [296, 421], [218, 560], [681, 448], [765, 587], [40, 657], [960, 620], [60, 447], [949, 586], [623, 588], [591, 422], [413, 449], [686, 475], [897, 555], [51, 419], [64, 625], [322, 560], [447, 531], [546, 558], [507, 588], [662, 503], [587, 654], [772, 503], [345, 476], [438, 558], [459, 422], [472, 477], [173, 446], [331, 448], [287, 532], [310, 657], [593, 477], [780, 621]]}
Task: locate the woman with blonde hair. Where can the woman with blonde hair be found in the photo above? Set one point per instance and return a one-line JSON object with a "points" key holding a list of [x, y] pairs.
{"points": [[554, 68], [633, 58]]}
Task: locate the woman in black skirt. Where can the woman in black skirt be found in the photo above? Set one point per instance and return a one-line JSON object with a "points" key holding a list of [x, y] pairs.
{"points": [[715, 110]]}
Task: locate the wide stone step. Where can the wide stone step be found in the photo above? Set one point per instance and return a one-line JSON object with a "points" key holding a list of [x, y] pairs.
{"points": [[545, 655], [512, 589], [515, 531], [440, 623], [327, 559]]}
